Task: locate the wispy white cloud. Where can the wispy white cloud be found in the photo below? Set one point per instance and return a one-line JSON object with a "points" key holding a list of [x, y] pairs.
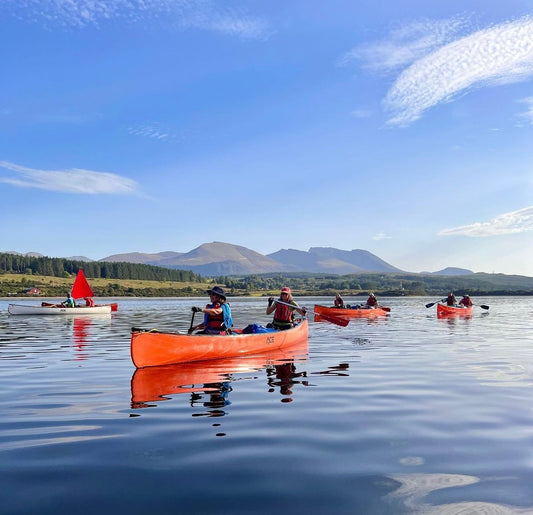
{"points": [[404, 45], [440, 61], [381, 236], [74, 180], [528, 113], [499, 55], [153, 131], [507, 223], [199, 14]]}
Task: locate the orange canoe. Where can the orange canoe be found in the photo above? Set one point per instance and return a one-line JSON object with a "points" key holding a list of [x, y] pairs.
{"points": [[154, 383], [153, 348], [348, 312], [445, 311]]}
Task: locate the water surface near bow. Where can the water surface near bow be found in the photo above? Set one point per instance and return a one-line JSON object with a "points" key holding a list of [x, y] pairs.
{"points": [[399, 414]]}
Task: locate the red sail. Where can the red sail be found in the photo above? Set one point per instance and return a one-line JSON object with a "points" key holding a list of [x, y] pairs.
{"points": [[81, 287]]}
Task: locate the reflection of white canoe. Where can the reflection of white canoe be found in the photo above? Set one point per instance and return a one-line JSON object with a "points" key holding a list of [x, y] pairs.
{"points": [[21, 309]]}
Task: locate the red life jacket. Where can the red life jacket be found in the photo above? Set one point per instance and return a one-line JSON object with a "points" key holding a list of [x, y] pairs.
{"points": [[214, 321], [283, 314]]}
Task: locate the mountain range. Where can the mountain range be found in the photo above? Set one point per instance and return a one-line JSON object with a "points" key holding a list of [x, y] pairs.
{"points": [[219, 258]]}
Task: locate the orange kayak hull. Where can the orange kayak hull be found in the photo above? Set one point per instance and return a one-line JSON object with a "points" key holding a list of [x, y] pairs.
{"points": [[151, 348], [446, 311], [347, 312]]}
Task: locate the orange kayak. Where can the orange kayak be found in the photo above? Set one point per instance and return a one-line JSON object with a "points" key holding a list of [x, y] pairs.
{"points": [[154, 383], [153, 348], [444, 311], [348, 312]]}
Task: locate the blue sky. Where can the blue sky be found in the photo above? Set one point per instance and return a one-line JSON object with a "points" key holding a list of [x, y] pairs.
{"points": [[402, 128]]}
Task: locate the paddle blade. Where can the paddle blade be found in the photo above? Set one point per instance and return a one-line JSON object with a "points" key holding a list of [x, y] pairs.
{"points": [[484, 306], [430, 304], [333, 320], [385, 308]]}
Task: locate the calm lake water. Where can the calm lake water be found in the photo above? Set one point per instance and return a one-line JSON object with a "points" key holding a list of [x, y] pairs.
{"points": [[403, 414]]}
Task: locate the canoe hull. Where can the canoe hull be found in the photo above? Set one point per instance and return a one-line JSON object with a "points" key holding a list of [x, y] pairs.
{"points": [[150, 348], [114, 305], [21, 309], [446, 311], [347, 312]]}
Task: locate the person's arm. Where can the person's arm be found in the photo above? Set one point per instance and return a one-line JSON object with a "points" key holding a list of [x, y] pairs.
{"points": [[212, 311], [271, 306], [302, 311], [196, 328]]}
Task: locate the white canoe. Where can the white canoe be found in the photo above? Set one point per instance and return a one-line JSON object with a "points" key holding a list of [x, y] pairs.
{"points": [[22, 309]]}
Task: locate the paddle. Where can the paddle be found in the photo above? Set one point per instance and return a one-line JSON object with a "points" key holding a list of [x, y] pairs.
{"points": [[433, 303], [192, 322], [384, 308], [334, 320], [482, 306]]}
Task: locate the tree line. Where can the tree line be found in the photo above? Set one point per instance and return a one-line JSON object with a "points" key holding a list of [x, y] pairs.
{"points": [[383, 284], [386, 284], [61, 267]]}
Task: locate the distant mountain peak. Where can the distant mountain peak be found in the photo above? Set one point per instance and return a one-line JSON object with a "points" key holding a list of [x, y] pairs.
{"points": [[453, 271], [221, 258]]}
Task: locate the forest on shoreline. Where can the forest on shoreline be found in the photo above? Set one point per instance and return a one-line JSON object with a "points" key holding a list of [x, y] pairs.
{"points": [[53, 277], [133, 280]]}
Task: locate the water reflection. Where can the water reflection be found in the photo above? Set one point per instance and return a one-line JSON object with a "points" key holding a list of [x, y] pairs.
{"points": [[413, 488], [83, 329], [209, 382], [284, 377]]}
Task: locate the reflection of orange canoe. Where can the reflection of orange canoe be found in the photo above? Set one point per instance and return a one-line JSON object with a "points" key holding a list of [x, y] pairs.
{"points": [[153, 383], [444, 311], [348, 312], [152, 348]]}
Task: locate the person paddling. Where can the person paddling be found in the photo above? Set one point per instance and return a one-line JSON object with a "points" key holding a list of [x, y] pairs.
{"points": [[284, 313], [69, 302], [371, 302], [450, 299], [217, 314], [339, 301], [466, 302]]}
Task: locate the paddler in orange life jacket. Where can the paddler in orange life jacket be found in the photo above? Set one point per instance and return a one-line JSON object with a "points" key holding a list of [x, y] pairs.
{"points": [[465, 302], [284, 315], [372, 301], [217, 314], [89, 302]]}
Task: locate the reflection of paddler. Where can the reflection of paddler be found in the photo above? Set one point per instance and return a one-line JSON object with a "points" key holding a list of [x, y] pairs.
{"points": [[152, 384], [219, 399], [285, 374]]}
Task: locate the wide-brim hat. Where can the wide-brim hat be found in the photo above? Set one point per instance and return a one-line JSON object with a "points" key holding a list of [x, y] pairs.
{"points": [[217, 290]]}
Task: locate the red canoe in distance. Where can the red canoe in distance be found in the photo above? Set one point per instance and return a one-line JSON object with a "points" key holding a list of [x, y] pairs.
{"points": [[348, 313], [152, 384], [444, 311]]}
